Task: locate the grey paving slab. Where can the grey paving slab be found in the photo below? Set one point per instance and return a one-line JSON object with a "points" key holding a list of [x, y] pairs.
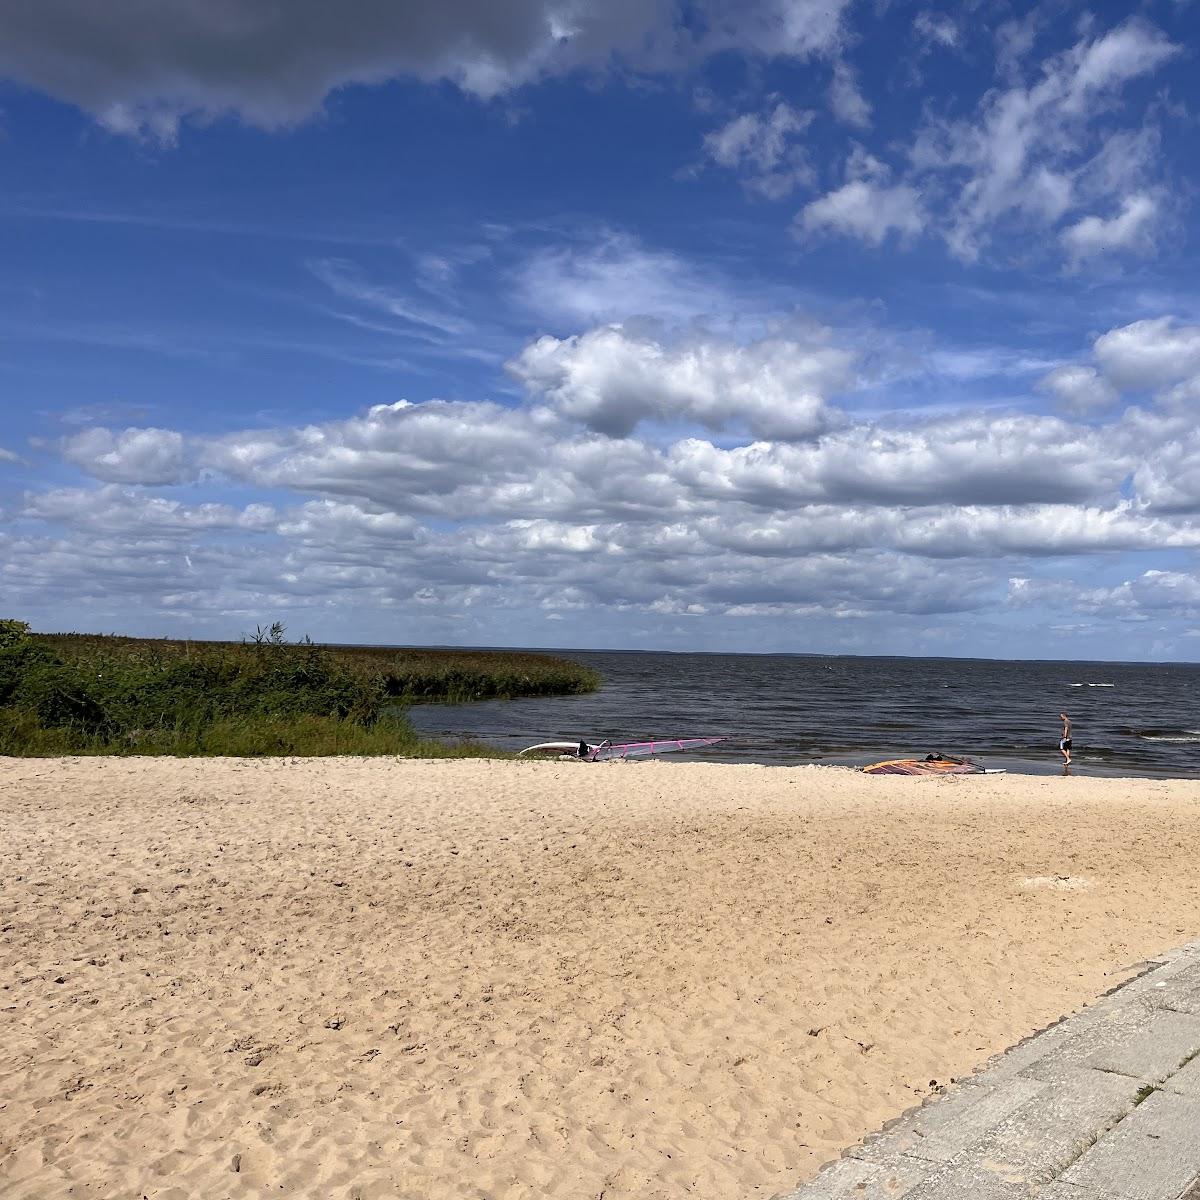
{"points": [[974, 1182], [1058, 1190], [1031, 1051], [1102, 1035], [1183, 994], [1186, 1079], [1153, 1153], [1047, 1134], [1140, 1039], [1103, 1023], [1154, 1051], [938, 1131], [1065, 1115], [854, 1179]]}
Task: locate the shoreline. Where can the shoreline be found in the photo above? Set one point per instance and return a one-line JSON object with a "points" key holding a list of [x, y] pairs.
{"points": [[1080, 770], [390, 976], [673, 762]]}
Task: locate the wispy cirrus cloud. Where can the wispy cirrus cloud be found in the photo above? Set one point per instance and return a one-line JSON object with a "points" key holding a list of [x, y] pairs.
{"points": [[414, 319], [609, 275]]}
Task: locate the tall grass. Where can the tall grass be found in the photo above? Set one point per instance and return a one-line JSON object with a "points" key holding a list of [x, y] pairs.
{"points": [[90, 694]]}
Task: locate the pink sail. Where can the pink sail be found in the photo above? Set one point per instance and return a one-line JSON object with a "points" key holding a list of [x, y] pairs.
{"points": [[607, 751]]}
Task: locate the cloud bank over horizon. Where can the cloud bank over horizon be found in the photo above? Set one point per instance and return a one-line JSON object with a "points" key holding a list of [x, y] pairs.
{"points": [[541, 508]]}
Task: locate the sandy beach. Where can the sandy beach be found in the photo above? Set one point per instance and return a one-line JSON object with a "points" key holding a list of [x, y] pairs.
{"points": [[371, 978]]}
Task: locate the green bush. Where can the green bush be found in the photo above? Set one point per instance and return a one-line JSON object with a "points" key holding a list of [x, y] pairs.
{"points": [[60, 697], [102, 696], [20, 656]]}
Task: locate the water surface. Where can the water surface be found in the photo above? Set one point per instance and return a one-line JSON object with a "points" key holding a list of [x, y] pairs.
{"points": [[1129, 718]]}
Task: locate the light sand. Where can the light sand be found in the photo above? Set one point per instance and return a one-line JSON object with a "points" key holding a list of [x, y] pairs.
{"points": [[374, 978]]}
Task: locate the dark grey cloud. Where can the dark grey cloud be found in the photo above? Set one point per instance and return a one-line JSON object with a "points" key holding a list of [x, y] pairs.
{"points": [[140, 67]]}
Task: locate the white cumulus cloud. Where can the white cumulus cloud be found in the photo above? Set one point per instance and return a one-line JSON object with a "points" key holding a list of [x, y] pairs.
{"points": [[1078, 388], [866, 210], [150, 456], [1130, 229], [1149, 354], [611, 380]]}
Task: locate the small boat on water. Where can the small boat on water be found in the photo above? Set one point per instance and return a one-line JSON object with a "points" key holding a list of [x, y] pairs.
{"points": [[931, 764], [606, 751]]}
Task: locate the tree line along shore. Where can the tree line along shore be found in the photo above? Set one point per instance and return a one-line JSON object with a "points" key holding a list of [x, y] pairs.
{"points": [[75, 693]]}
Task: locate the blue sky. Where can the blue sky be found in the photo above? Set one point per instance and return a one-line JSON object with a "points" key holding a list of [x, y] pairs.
{"points": [[776, 325]]}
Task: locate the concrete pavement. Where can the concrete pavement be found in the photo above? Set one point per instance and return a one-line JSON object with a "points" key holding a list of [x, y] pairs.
{"points": [[1105, 1105]]}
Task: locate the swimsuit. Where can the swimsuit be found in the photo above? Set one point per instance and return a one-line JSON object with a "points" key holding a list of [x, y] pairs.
{"points": [[1064, 744]]}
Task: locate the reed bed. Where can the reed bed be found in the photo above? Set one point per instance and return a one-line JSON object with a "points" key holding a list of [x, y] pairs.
{"points": [[98, 694], [414, 674]]}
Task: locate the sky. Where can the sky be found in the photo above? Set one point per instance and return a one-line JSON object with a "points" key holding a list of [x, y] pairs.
{"points": [[838, 326]]}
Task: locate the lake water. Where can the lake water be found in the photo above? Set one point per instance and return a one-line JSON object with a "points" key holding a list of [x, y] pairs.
{"points": [[1129, 719]]}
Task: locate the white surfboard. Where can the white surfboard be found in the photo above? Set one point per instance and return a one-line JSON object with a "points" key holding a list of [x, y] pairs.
{"points": [[552, 750]]}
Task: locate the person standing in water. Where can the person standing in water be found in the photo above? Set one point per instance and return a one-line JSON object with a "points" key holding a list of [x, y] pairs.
{"points": [[1064, 742]]}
